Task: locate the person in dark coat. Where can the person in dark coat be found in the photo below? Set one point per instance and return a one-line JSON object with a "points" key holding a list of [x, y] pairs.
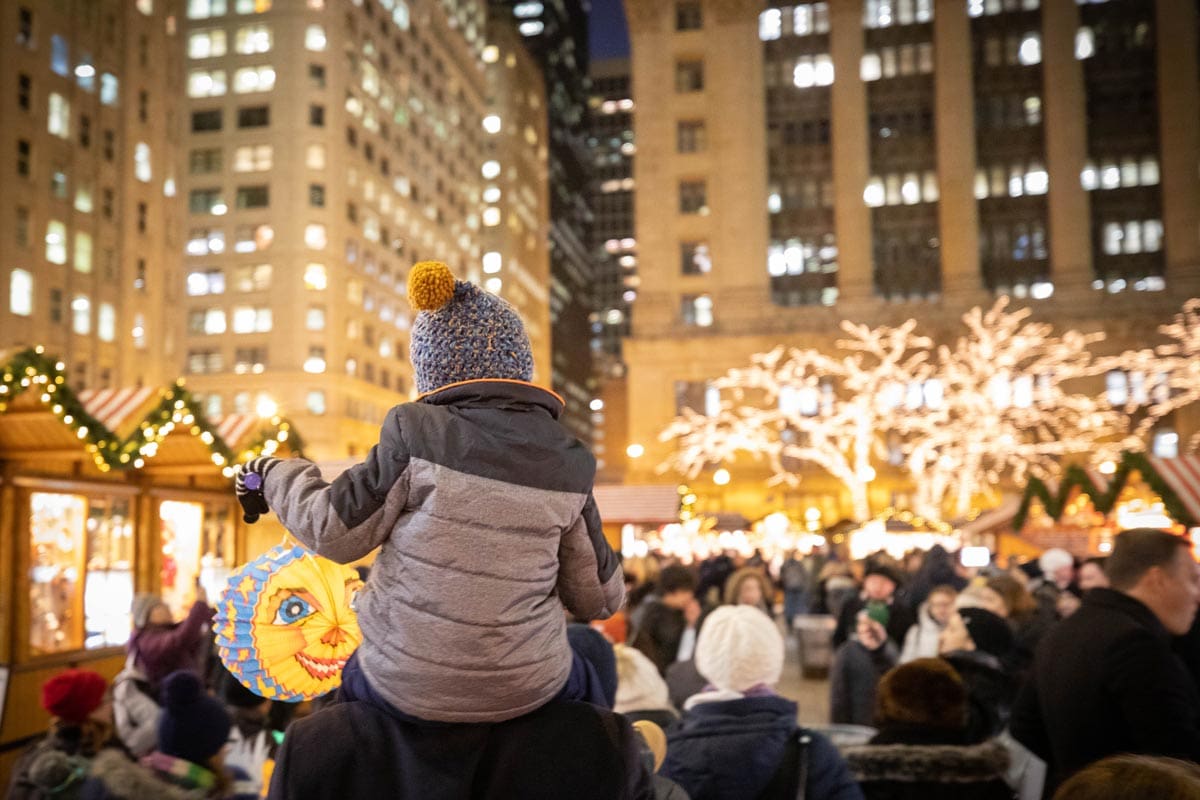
{"points": [[1105, 680], [921, 751], [976, 644], [880, 584], [667, 628], [738, 739], [857, 668], [937, 569]]}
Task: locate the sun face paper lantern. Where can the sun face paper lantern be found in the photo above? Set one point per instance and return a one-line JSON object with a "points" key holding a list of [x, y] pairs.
{"points": [[285, 625]]}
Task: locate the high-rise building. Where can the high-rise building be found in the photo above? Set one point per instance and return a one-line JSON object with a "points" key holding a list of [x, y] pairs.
{"points": [[610, 140], [329, 147], [88, 238], [556, 35], [516, 192], [804, 163]]}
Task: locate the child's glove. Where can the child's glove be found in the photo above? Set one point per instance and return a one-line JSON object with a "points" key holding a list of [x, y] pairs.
{"points": [[248, 484]]}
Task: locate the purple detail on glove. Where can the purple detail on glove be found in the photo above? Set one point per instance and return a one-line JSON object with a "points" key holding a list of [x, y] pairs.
{"points": [[253, 481]]}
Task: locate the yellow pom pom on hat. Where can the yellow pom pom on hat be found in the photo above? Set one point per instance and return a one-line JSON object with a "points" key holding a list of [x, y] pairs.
{"points": [[462, 333], [430, 286]]}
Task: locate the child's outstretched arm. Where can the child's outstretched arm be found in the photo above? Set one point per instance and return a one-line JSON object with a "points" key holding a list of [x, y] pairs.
{"points": [[348, 518], [590, 581]]}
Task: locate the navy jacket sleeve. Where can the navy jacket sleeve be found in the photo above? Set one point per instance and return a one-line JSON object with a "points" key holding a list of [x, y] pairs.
{"points": [[829, 777]]}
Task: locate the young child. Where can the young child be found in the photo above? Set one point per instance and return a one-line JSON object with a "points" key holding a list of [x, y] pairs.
{"points": [[481, 504]]}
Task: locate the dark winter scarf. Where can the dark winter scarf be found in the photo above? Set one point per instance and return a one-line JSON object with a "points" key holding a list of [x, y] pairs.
{"points": [[933, 763]]}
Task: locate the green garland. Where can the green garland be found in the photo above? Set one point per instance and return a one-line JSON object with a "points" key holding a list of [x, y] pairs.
{"points": [[32, 369], [1104, 502]]}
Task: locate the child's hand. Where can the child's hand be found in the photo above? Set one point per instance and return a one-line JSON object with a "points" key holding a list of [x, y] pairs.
{"points": [[251, 475]]}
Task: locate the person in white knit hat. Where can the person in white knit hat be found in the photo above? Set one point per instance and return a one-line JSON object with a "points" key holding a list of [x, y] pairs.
{"points": [[738, 738], [641, 691]]}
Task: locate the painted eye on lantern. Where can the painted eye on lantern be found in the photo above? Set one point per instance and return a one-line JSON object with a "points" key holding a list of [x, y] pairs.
{"points": [[292, 610]]}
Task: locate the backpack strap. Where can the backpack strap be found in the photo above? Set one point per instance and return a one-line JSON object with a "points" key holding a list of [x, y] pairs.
{"points": [[803, 740], [791, 776]]}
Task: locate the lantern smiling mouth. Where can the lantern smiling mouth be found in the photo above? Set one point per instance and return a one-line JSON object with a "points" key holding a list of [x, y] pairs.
{"points": [[321, 668]]}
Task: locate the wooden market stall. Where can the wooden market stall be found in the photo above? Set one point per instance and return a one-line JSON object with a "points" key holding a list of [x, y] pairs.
{"points": [[1088, 507], [103, 494]]}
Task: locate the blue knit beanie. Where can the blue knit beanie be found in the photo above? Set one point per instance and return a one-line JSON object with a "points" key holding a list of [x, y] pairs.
{"points": [[461, 332], [193, 726]]}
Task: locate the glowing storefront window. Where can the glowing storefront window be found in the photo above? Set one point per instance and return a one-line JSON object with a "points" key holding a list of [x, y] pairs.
{"points": [[197, 545]]}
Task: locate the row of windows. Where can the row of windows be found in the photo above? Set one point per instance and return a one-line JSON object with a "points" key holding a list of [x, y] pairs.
{"points": [[1013, 50], [247, 278], [979, 8], [887, 13], [211, 201], [795, 192], [1120, 173], [248, 40], [890, 62], [245, 319], [21, 301], [1134, 236], [1013, 241], [204, 9], [212, 82], [249, 117], [805, 19], [815, 70], [248, 158], [798, 256], [1013, 180], [908, 188]]}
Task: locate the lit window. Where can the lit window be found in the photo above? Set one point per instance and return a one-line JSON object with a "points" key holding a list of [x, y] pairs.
{"points": [[531, 27], [109, 89], [20, 292], [314, 156], [81, 314], [981, 184], [314, 38], [248, 319], [1088, 177], [774, 203], [493, 285], [254, 79], [315, 237], [1149, 171], [315, 277], [314, 319], [56, 242], [315, 402], [527, 10], [203, 9], [1113, 233], [1110, 175], [252, 238], [930, 191], [910, 190], [1085, 43], [59, 118], [204, 283], [1166, 444], [252, 6], [60, 57], [253, 158], [871, 68], [873, 195], [141, 162], [1031, 49], [106, 322], [770, 24], [315, 363], [253, 39], [492, 123], [1037, 180], [490, 169], [1152, 235], [1129, 172], [85, 73], [83, 252], [206, 44], [83, 198], [492, 262], [206, 83], [698, 310]]}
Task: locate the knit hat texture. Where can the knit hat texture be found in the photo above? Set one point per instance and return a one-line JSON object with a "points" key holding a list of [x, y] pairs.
{"points": [[193, 726], [143, 604], [462, 333], [989, 632], [885, 570], [73, 695], [739, 648], [925, 693], [639, 685]]}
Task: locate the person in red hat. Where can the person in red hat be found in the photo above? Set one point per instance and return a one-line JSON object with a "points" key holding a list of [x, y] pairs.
{"points": [[80, 727]]}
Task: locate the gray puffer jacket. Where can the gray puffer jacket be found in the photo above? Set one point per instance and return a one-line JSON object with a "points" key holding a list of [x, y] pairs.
{"points": [[482, 504]]}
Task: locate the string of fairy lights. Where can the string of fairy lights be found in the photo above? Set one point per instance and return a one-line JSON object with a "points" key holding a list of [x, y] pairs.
{"points": [[32, 370]]}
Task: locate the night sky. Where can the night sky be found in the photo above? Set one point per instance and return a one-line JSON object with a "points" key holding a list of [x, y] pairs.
{"points": [[609, 37]]}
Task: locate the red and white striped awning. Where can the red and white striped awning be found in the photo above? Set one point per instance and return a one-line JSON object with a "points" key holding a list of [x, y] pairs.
{"points": [[114, 407], [650, 505], [234, 428], [1182, 474]]}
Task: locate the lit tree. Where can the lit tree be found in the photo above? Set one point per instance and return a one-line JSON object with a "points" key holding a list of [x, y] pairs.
{"points": [[1169, 375], [1008, 408], [796, 406]]}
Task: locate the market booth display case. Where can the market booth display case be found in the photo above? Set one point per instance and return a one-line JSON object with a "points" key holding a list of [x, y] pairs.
{"points": [[1085, 511], [105, 494]]}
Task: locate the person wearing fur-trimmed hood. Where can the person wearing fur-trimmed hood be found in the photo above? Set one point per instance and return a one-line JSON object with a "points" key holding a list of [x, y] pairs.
{"points": [[921, 751]]}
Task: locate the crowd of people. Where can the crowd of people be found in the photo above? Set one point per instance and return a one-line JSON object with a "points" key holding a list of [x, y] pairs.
{"points": [[966, 681], [508, 653]]}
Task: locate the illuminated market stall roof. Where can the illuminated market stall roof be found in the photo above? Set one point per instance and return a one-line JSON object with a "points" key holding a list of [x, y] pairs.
{"points": [[1175, 480], [42, 417]]}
